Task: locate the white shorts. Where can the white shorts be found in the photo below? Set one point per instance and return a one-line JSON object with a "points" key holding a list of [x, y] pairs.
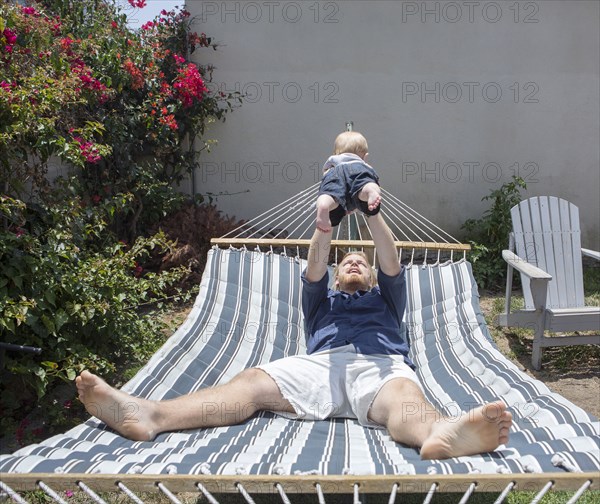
{"points": [[336, 383]]}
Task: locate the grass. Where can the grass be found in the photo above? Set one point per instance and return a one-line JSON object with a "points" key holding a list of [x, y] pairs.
{"points": [[557, 497]]}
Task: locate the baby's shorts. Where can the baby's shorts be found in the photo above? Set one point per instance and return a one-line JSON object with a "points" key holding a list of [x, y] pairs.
{"points": [[335, 383]]}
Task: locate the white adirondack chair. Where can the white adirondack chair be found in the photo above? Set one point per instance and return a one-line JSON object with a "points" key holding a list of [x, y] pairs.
{"points": [[545, 247]]}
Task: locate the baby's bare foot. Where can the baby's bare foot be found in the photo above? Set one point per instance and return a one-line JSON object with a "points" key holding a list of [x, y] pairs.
{"points": [[130, 416], [479, 431], [373, 201], [371, 194], [323, 222]]}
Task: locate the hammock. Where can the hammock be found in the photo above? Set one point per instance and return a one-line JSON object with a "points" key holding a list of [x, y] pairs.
{"points": [[247, 313]]}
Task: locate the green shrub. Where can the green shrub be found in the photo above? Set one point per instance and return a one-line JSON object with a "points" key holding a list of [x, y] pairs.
{"points": [[70, 288], [489, 235]]}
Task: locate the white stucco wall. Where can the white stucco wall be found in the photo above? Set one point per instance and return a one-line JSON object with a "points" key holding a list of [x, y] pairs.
{"points": [[453, 96]]}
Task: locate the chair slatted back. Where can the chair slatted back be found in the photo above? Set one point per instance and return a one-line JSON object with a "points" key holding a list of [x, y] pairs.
{"points": [[547, 235]]}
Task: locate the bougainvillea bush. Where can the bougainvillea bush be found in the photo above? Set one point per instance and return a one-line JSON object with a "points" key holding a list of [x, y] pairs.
{"points": [[125, 112], [129, 108]]}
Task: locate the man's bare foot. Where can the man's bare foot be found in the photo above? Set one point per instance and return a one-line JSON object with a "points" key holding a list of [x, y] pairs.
{"points": [[130, 416], [479, 431]]}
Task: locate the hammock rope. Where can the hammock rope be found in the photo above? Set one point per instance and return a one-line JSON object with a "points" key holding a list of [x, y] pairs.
{"points": [[290, 225]]}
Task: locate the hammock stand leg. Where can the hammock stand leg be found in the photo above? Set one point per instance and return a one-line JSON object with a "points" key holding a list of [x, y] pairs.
{"points": [[51, 493], [170, 495], [95, 497], [129, 493], [11, 493]]}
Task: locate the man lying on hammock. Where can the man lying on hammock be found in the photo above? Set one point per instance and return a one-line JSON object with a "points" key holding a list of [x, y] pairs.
{"points": [[357, 367]]}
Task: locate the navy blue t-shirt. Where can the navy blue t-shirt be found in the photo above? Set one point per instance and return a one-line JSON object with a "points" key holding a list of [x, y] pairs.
{"points": [[369, 320]]}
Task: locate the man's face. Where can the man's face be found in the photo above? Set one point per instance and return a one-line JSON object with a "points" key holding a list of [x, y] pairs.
{"points": [[354, 274]]}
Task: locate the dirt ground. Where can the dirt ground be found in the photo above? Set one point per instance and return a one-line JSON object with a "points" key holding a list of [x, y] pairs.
{"points": [[573, 372]]}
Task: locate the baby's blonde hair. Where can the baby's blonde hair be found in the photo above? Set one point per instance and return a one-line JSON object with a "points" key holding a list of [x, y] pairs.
{"points": [[352, 142]]}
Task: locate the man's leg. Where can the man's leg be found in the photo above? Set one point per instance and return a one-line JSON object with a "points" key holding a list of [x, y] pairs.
{"points": [[401, 407], [140, 419]]}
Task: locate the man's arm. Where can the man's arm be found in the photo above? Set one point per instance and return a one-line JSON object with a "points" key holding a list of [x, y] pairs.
{"points": [[318, 256], [384, 243]]}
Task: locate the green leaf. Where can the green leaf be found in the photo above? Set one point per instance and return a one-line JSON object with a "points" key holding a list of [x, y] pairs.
{"points": [[61, 318], [50, 297], [49, 324]]}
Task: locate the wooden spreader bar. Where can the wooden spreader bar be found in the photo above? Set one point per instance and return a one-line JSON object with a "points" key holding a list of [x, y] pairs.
{"points": [[491, 483], [305, 243]]}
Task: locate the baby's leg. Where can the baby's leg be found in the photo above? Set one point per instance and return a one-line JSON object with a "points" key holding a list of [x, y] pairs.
{"points": [[325, 204], [371, 193]]}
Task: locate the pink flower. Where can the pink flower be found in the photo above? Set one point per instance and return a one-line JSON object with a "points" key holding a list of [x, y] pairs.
{"points": [[189, 85], [140, 4], [10, 36], [178, 59], [68, 493], [30, 11], [89, 151]]}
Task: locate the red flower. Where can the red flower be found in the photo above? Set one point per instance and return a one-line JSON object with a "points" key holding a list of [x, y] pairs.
{"points": [[65, 43], [137, 271], [114, 24], [169, 120], [136, 74]]}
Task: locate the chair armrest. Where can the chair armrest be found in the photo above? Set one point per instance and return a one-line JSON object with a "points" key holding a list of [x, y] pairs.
{"points": [[591, 253], [522, 266]]}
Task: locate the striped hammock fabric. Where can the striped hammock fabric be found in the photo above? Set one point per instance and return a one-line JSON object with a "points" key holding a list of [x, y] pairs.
{"points": [[247, 313]]}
